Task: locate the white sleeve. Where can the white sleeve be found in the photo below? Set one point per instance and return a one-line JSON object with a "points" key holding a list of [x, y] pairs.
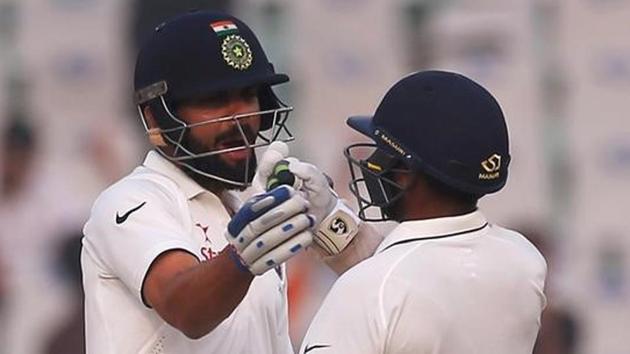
{"points": [[126, 247], [348, 321], [364, 315], [415, 323]]}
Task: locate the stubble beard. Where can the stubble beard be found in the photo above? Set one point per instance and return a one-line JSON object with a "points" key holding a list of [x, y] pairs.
{"points": [[241, 172]]}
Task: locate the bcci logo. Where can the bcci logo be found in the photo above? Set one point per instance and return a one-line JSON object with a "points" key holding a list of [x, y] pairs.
{"points": [[236, 52], [338, 226], [491, 166]]}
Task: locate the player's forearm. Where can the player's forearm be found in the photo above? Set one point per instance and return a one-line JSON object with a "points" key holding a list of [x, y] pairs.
{"points": [[200, 298]]}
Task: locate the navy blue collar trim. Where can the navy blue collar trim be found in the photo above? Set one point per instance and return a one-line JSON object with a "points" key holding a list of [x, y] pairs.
{"points": [[433, 237]]}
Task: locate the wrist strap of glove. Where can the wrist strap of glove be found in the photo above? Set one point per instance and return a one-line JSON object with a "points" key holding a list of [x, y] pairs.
{"points": [[240, 264], [338, 229]]}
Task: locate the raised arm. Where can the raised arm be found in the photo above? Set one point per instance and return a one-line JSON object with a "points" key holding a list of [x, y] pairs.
{"points": [[195, 297]]}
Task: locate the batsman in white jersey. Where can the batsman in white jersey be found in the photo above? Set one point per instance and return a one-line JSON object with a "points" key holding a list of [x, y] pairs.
{"points": [[445, 280], [158, 276]]}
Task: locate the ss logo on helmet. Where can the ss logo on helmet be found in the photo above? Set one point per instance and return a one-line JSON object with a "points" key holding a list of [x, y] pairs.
{"points": [[338, 226]]}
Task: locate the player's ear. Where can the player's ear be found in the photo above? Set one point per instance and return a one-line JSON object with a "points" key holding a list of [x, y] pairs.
{"points": [[154, 132]]}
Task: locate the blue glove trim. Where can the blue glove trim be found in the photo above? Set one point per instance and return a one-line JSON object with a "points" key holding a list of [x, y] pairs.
{"points": [[256, 207], [237, 260]]}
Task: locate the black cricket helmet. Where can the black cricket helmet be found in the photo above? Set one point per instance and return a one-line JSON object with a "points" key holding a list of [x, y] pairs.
{"points": [[438, 123], [197, 55]]}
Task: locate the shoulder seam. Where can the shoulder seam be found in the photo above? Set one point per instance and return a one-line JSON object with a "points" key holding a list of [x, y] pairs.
{"points": [[381, 292]]}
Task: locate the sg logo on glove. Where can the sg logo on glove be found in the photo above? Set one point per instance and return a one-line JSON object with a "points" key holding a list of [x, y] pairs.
{"points": [[338, 226]]}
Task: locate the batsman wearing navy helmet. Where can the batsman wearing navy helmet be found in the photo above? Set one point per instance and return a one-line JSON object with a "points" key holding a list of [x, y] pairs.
{"points": [[445, 280], [172, 261]]}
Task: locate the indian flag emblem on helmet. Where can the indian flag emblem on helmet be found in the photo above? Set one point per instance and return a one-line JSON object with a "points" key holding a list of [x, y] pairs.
{"points": [[223, 28], [236, 52]]}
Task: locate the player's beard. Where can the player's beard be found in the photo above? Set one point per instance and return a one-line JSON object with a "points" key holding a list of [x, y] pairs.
{"points": [[394, 211], [217, 165]]}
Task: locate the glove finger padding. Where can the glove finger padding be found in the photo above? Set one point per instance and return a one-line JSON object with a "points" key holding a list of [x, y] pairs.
{"points": [[280, 213], [276, 152], [277, 235], [313, 178], [265, 228], [255, 207], [336, 224], [281, 253], [316, 187]]}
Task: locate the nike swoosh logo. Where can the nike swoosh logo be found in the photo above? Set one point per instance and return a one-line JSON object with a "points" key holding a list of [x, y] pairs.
{"points": [[121, 219], [316, 346]]}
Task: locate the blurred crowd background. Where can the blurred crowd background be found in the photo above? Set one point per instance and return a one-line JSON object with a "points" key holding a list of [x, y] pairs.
{"points": [[559, 68]]}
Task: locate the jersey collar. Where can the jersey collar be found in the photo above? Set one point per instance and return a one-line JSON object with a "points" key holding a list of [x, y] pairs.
{"points": [[160, 164], [419, 230]]}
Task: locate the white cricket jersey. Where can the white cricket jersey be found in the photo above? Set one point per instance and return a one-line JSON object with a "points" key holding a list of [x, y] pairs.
{"points": [[449, 285], [154, 209]]}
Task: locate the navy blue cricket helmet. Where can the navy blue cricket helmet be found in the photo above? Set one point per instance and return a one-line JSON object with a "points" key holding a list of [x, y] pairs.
{"points": [[197, 55], [201, 53], [439, 123]]}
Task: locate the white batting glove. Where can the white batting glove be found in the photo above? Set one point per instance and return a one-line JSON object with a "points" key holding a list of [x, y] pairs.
{"points": [[336, 224], [276, 151], [270, 228]]}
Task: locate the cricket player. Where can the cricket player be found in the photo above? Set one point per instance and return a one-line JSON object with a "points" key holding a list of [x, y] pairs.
{"points": [[173, 261], [446, 280]]}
